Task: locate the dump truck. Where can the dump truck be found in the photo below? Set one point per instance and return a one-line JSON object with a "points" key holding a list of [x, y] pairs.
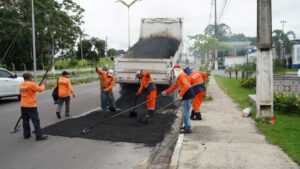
{"points": [[158, 49]]}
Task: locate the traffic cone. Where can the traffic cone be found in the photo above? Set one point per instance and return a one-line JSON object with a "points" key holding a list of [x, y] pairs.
{"points": [[272, 121]]}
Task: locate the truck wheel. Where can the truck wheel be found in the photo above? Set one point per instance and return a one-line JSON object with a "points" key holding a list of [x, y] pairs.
{"points": [[122, 90]]}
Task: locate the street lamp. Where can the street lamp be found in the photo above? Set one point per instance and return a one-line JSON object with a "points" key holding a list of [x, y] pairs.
{"points": [[283, 22], [33, 40], [128, 4]]}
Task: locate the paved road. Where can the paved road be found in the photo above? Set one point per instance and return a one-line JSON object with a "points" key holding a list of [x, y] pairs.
{"points": [[62, 152]]}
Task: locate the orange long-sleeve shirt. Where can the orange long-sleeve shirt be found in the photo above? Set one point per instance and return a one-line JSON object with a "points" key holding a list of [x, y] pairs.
{"points": [[204, 76], [195, 78], [27, 91], [107, 82], [146, 79], [64, 87], [182, 83]]}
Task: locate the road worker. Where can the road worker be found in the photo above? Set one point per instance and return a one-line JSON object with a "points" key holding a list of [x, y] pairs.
{"points": [[64, 90], [147, 83], [186, 94], [107, 82], [29, 110], [198, 85]]}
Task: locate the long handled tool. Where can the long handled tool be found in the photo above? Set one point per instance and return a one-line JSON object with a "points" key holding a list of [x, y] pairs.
{"points": [[17, 126], [133, 113], [86, 130]]}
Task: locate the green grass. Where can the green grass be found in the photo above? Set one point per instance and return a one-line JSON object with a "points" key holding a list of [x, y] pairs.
{"points": [[75, 82], [285, 133]]}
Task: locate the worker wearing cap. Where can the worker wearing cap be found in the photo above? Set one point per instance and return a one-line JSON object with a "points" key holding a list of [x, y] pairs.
{"points": [[198, 85], [64, 90], [29, 110], [186, 94], [107, 82], [147, 83]]}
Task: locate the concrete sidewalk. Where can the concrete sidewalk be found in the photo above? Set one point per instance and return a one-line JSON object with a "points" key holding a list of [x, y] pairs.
{"points": [[226, 140]]}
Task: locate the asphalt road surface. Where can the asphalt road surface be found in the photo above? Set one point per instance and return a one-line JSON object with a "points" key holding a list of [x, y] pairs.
{"points": [[62, 152]]}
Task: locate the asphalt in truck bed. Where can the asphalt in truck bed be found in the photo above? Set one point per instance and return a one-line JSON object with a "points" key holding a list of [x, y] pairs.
{"points": [[121, 128]]}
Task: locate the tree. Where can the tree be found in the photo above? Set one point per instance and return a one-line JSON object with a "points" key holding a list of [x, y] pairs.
{"points": [[203, 44], [280, 38], [100, 46], [223, 31], [57, 24], [112, 52]]}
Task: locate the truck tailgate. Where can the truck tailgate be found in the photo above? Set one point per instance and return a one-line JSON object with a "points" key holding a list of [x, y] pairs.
{"points": [[159, 69]]}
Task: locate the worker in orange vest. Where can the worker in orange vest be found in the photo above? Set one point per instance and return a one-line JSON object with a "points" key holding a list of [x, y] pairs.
{"points": [[186, 94], [198, 85], [64, 90], [29, 110], [107, 82], [147, 83]]}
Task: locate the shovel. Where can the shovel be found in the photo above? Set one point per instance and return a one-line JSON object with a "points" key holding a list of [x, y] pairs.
{"points": [[133, 113]]}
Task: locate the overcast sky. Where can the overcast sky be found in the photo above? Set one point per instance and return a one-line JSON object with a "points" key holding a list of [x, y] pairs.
{"points": [[109, 18]]}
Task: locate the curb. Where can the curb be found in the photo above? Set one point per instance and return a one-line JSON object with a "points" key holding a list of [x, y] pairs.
{"points": [[176, 154]]}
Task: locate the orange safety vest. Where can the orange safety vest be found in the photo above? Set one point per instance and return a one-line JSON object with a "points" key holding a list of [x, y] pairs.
{"points": [[27, 91], [64, 87], [146, 82], [107, 82], [182, 83]]}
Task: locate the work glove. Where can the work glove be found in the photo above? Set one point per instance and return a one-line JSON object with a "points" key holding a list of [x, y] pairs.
{"points": [[179, 97], [164, 93], [73, 95]]}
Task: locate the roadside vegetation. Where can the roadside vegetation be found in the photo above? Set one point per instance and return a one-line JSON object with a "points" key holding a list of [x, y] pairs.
{"points": [[286, 131]]}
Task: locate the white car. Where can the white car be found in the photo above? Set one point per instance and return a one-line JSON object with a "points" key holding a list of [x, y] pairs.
{"points": [[9, 84]]}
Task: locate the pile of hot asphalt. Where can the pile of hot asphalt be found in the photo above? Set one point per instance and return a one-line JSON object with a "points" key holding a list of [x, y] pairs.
{"points": [[121, 128]]}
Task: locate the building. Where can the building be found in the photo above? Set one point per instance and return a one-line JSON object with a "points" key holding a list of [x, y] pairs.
{"points": [[296, 54]]}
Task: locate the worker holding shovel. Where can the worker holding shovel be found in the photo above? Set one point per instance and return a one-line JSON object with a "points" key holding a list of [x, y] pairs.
{"points": [[186, 94], [29, 110], [107, 82], [198, 85], [147, 83]]}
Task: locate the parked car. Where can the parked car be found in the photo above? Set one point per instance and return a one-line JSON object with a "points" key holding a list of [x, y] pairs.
{"points": [[9, 84]]}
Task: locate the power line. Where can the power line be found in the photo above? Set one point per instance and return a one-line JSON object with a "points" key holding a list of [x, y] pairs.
{"points": [[223, 9]]}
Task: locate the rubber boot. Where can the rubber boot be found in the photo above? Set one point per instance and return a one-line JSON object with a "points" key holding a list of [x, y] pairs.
{"points": [[142, 118], [58, 115], [151, 112], [112, 109], [192, 117], [198, 116]]}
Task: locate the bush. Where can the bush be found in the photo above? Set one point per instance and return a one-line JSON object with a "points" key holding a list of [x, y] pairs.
{"points": [[249, 83], [287, 102], [278, 67]]}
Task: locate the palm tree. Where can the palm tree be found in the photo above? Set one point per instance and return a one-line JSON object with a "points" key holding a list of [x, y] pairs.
{"points": [[281, 41]]}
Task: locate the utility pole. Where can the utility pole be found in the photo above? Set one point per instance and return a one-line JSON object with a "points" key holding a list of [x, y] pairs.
{"points": [[264, 72], [216, 36], [33, 40], [106, 46]]}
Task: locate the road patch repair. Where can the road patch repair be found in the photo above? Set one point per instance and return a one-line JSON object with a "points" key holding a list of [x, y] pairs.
{"points": [[121, 128]]}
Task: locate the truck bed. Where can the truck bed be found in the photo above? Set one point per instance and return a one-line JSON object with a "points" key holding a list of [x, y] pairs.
{"points": [[154, 47]]}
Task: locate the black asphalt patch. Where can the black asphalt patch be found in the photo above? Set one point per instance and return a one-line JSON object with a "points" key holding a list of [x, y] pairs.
{"points": [[121, 128], [155, 47]]}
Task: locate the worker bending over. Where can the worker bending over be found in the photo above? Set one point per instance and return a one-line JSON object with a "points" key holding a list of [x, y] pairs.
{"points": [[107, 82], [198, 86], [64, 89], [29, 110], [186, 94], [147, 83]]}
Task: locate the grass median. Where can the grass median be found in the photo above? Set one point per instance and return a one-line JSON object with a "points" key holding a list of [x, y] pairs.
{"points": [[75, 82], [285, 133]]}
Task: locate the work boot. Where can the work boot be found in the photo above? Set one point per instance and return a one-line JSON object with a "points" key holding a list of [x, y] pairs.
{"points": [[112, 109], [58, 115], [198, 116], [142, 118], [40, 138], [67, 115], [151, 112], [192, 117], [27, 137], [186, 131]]}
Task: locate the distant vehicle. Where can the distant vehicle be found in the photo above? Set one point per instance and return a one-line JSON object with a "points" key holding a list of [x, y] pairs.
{"points": [[9, 84], [158, 49], [231, 65]]}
